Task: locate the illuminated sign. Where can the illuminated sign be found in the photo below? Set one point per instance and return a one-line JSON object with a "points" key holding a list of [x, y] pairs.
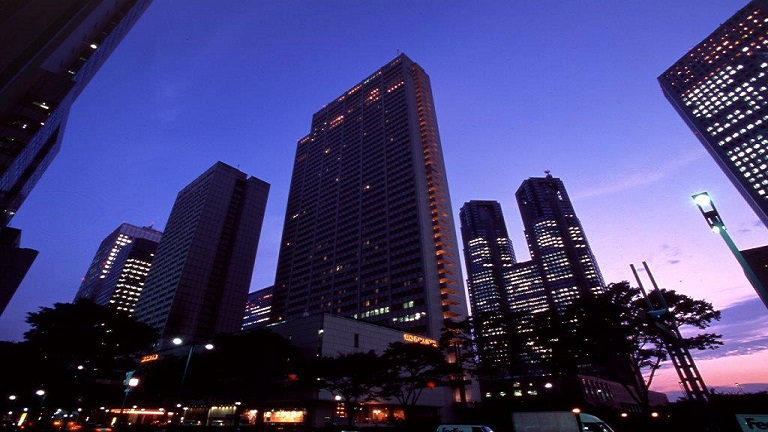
{"points": [[284, 416], [144, 411], [419, 339], [149, 358]]}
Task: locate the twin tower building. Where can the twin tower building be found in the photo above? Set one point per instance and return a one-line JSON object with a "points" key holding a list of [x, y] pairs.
{"points": [[369, 232]]}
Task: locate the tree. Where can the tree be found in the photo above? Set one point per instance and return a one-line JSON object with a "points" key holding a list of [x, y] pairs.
{"points": [[356, 377], [461, 354], [619, 330], [410, 369], [83, 350]]}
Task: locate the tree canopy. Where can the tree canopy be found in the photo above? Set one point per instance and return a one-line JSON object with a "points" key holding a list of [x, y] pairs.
{"points": [[625, 334], [355, 377], [411, 368], [79, 351]]}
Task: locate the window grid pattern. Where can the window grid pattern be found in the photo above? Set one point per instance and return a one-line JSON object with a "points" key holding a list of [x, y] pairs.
{"points": [[367, 231], [720, 88]]}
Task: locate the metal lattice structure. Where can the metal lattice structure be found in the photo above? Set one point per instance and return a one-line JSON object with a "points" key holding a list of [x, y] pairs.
{"points": [[690, 378]]}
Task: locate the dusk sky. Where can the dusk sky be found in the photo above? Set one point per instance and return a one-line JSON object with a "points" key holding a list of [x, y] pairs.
{"points": [[520, 87]]}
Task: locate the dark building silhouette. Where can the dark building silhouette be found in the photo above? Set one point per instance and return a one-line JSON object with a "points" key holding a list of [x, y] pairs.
{"points": [[757, 259], [199, 280], [14, 263], [50, 51], [123, 284], [719, 89], [369, 231], [104, 259], [258, 308]]}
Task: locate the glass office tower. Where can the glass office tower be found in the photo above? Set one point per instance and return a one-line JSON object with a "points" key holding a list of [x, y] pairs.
{"points": [[720, 89], [369, 230], [201, 274]]}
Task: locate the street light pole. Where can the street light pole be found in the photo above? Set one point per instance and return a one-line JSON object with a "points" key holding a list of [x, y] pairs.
{"points": [[184, 375], [179, 341], [42, 395], [130, 383], [715, 222]]}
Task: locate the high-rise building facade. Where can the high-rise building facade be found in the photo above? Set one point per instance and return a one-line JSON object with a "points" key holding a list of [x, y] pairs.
{"points": [[50, 51], [200, 277], [14, 264], [757, 260], [258, 308], [489, 258], [513, 302], [122, 286], [369, 231], [557, 244], [104, 259], [488, 255], [505, 294], [720, 89]]}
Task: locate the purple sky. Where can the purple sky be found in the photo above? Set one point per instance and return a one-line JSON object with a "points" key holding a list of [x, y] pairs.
{"points": [[520, 87]]}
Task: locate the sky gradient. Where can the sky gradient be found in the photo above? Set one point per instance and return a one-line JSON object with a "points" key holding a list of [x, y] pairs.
{"points": [[519, 87]]}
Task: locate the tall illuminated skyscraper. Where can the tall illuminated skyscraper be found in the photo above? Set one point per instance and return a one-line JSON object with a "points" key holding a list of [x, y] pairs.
{"points": [[369, 230], [201, 274], [488, 255], [720, 89], [122, 286], [557, 243], [510, 298], [105, 256], [258, 308], [50, 51], [562, 267]]}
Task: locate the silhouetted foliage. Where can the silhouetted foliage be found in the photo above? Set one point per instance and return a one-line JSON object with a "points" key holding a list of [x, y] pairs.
{"points": [[411, 368], [79, 352], [614, 334], [461, 354], [356, 377]]}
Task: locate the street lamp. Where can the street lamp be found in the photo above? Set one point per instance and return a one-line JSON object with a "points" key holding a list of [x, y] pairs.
{"points": [[12, 398], [42, 395], [715, 222], [577, 413], [547, 387], [180, 341]]}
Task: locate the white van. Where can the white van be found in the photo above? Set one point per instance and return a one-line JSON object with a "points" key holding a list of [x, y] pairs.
{"points": [[463, 428]]}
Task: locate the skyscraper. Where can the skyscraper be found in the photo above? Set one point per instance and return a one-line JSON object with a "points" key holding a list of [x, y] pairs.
{"points": [[122, 286], [505, 294], [14, 263], [104, 259], [258, 308], [50, 51], [199, 280], [513, 303], [557, 243], [719, 88], [488, 255], [369, 231]]}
